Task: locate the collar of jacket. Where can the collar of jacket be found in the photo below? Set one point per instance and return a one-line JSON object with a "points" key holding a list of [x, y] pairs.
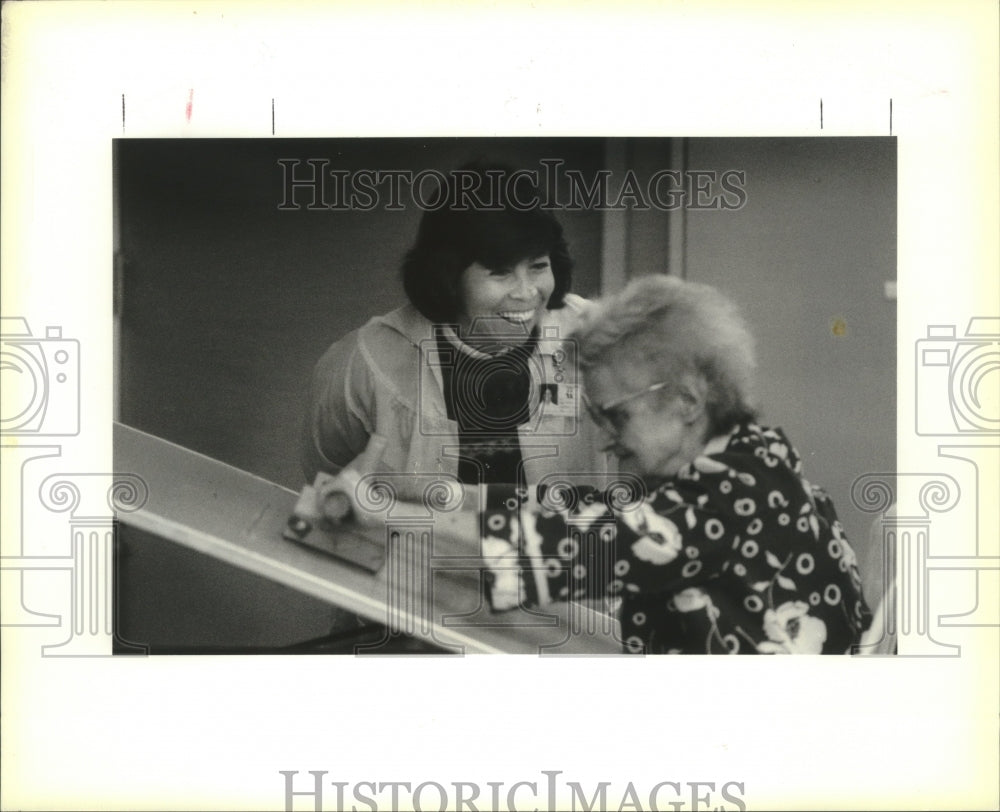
{"points": [[415, 328]]}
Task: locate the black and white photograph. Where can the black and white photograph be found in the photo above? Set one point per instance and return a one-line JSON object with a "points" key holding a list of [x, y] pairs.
{"points": [[402, 314], [387, 392]]}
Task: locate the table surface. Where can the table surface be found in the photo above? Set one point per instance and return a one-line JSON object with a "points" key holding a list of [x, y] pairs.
{"points": [[429, 586]]}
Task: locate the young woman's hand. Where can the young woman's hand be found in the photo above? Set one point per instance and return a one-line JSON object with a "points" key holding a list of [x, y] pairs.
{"points": [[336, 496]]}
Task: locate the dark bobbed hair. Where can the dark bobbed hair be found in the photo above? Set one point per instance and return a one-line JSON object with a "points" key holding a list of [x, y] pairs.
{"points": [[500, 223]]}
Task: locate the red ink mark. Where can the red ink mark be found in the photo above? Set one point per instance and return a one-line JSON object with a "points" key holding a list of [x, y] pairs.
{"points": [[190, 104]]}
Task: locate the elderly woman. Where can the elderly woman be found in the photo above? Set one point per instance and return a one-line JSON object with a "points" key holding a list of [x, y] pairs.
{"points": [[451, 383], [725, 547]]}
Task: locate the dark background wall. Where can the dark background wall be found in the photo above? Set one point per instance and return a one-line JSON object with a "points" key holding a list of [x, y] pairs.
{"points": [[227, 301], [808, 258]]}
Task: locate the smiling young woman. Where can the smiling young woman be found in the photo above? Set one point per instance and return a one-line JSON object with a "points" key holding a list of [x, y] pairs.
{"points": [[452, 382], [504, 305]]}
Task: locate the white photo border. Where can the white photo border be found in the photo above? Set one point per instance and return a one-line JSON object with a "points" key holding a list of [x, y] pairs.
{"points": [[84, 731]]}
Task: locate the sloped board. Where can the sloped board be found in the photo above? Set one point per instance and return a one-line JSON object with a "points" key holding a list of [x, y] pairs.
{"points": [[429, 587]]}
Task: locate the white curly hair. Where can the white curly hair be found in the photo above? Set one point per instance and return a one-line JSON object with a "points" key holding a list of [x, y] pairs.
{"points": [[672, 327]]}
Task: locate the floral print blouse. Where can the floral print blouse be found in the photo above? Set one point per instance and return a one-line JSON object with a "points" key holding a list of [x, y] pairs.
{"points": [[737, 554]]}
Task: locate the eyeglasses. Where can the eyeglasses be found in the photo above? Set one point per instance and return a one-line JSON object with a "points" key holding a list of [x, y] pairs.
{"points": [[610, 416]]}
